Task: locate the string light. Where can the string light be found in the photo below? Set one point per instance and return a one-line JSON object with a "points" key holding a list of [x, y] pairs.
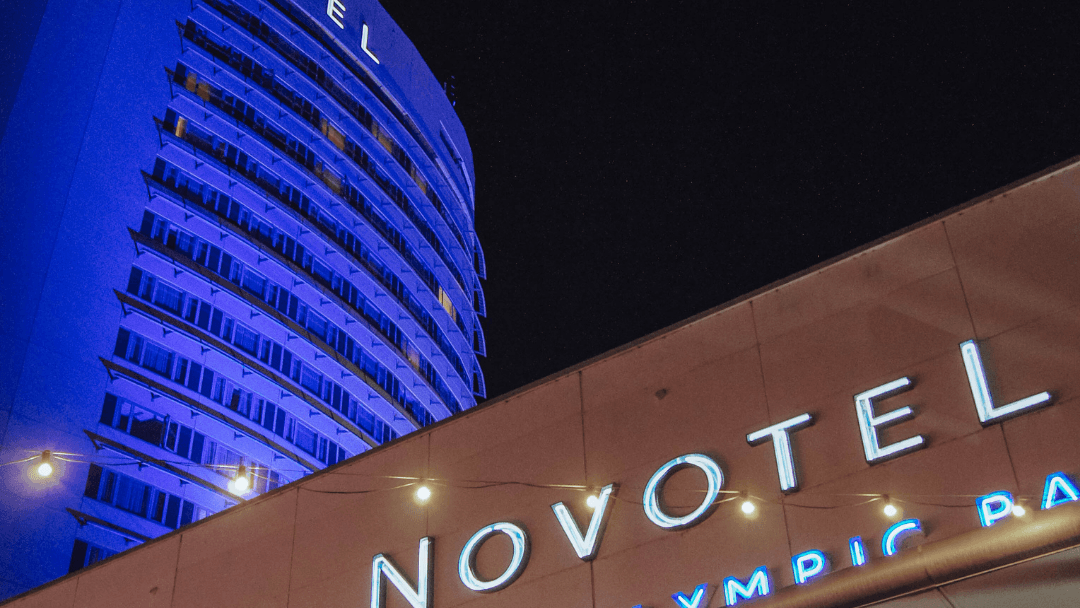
{"points": [[890, 509], [244, 480], [45, 469], [241, 483], [748, 506]]}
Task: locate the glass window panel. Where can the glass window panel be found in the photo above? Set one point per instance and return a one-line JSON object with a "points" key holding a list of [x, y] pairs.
{"points": [[305, 439], [246, 339]]}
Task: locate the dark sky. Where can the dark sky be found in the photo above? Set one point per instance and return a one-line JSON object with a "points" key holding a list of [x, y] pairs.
{"points": [[638, 162]]}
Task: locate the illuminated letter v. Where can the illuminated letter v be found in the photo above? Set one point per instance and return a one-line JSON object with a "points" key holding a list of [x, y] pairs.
{"points": [[586, 547]]}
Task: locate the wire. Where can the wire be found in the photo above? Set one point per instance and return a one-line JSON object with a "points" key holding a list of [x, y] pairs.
{"points": [[406, 485], [263, 472], [28, 459]]}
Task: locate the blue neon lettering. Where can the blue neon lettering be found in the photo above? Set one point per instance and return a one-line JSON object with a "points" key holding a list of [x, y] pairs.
{"points": [[780, 434], [870, 422], [994, 507], [808, 565], [890, 544], [1058, 489], [694, 600], [336, 11], [734, 590], [466, 572], [587, 545], [364, 43], [858, 552], [651, 499], [420, 597], [980, 389]]}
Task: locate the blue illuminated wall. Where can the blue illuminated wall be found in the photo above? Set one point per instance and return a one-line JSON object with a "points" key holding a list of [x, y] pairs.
{"points": [[235, 234]]}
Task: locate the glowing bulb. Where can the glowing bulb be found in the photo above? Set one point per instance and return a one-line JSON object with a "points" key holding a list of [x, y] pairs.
{"points": [[45, 469], [241, 483], [592, 501], [748, 507], [890, 510], [1019, 511], [423, 493]]}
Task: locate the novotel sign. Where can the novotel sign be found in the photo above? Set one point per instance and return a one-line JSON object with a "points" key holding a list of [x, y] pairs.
{"points": [[806, 567]]}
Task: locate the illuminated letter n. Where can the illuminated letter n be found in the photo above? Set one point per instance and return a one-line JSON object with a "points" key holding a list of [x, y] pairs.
{"points": [[420, 597]]}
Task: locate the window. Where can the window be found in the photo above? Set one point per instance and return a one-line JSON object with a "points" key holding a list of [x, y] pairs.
{"points": [[141, 499], [217, 455], [246, 339], [168, 297], [226, 207], [316, 324], [321, 271], [309, 378], [240, 401], [157, 359], [448, 306], [84, 554], [133, 419], [330, 178], [131, 495], [305, 438], [333, 134], [254, 282], [191, 310], [184, 241]]}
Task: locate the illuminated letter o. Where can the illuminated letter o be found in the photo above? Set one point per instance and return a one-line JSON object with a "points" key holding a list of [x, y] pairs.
{"points": [[467, 561], [652, 490]]}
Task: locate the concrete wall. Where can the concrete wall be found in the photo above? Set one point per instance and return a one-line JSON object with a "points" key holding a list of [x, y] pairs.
{"points": [[1004, 271]]}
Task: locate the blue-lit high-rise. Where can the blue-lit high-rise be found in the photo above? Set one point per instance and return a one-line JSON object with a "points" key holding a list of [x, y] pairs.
{"points": [[237, 243]]}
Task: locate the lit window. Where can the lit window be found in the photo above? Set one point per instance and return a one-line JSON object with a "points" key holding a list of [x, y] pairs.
{"points": [[444, 299], [333, 134]]}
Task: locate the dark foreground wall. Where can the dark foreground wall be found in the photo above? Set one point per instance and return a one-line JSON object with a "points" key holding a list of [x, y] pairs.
{"points": [[1004, 272]]}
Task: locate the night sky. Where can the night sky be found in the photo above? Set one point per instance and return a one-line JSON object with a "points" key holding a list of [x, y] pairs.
{"points": [[640, 162]]}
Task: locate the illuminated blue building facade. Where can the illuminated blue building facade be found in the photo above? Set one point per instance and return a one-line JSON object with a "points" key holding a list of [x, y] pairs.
{"points": [[255, 262]]}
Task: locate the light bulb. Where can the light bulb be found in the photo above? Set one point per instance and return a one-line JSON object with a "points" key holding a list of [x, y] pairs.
{"points": [[592, 501], [748, 507], [423, 493], [1019, 511], [890, 510], [45, 469], [241, 483]]}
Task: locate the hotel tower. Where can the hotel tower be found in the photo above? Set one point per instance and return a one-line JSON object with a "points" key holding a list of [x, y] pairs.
{"points": [[238, 247]]}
